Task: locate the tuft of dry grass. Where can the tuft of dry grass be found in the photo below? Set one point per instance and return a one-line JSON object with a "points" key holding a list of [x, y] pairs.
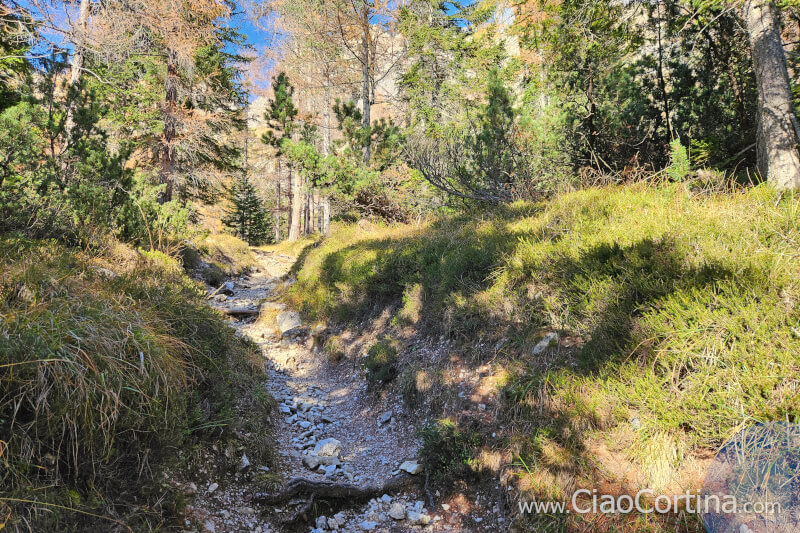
{"points": [[106, 369], [228, 253]]}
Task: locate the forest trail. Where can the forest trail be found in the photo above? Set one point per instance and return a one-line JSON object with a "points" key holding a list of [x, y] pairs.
{"points": [[330, 429]]}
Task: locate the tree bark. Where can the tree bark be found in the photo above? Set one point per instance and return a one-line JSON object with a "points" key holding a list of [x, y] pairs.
{"points": [[326, 128], [778, 158], [307, 216], [326, 214], [78, 59], [662, 83], [278, 203], [167, 171], [294, 221], [365, 84]]}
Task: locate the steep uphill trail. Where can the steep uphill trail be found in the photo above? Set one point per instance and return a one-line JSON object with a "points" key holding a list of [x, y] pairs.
{"points": [[347, 456]]}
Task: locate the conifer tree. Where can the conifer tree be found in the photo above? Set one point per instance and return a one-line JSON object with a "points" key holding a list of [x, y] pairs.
{"points": [[281, 117], [247, 215]]}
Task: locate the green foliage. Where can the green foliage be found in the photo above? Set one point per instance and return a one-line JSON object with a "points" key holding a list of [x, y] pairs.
{"points": [[446, 448], [384, 138], [452, 47], [281, 114], [15, 43], [491, 156], [75, 188], [143, 220], [628, 88], [395, 194], [679, 165], [500, 156], [700, 153], [381, 362], [67, 190], [247, 215]]}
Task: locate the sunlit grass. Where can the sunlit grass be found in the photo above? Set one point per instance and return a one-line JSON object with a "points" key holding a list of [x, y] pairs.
{"points": [[688, 306]]}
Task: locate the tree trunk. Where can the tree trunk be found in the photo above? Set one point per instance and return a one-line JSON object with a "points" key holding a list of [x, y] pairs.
{"points": [[592, 112], [326, 214], [778, 158], [326, 150], [365, 92], [78, 59], [296, 199], [326, 127], [278, 203], [662, 84], [166, 174]]}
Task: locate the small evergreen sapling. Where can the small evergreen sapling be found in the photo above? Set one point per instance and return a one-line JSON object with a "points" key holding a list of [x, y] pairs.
{"points": [[247, 216]]}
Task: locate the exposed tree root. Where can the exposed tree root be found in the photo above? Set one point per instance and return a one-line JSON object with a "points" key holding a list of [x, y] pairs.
{"points": [[343, 493], [240, 313], [333, 491]]}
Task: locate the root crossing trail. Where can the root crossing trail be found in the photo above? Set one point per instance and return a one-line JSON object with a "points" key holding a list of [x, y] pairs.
{"points": [[340, 446]]}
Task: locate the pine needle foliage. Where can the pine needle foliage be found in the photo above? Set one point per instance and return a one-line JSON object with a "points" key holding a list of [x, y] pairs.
{"points": [[247, 215]]}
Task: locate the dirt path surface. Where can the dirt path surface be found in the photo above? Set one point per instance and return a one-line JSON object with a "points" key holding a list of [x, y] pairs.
{"points": [[331, 429]]}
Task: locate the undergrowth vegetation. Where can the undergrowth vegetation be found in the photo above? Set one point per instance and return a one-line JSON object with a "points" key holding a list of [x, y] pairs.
{"points": [[110, 364], [447, 448], [684, 306], [381, 362], [217, 257]]}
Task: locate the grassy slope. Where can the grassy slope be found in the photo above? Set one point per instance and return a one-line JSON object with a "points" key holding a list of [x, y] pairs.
{"points": [[683, 311], [103, 379]]}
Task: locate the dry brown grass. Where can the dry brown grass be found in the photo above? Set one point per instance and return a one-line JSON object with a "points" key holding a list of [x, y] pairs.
{"points": [[103, 375]]}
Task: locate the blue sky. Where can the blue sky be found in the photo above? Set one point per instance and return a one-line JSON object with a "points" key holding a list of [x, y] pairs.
{"points": [[258, 38]]}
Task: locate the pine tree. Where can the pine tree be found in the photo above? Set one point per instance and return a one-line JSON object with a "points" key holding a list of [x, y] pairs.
{"points": [[247, 215], [281, 118]]}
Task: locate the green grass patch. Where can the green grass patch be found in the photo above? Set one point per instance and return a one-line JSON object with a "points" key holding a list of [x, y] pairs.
{"points": [[380, 363], [688, 307], [225, 254]]}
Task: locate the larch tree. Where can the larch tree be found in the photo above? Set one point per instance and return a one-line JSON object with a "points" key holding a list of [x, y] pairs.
{"points": [[367, 31], [201, 98], [360, 38], [79, 41]]}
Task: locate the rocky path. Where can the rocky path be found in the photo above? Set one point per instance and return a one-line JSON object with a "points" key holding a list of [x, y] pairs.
{"points": [[331, 430]]}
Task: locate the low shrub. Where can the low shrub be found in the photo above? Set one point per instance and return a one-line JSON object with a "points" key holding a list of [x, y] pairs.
{"points": [[214, 275], [381, 362], [446, 448], [334, 348], [228, 254]]}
